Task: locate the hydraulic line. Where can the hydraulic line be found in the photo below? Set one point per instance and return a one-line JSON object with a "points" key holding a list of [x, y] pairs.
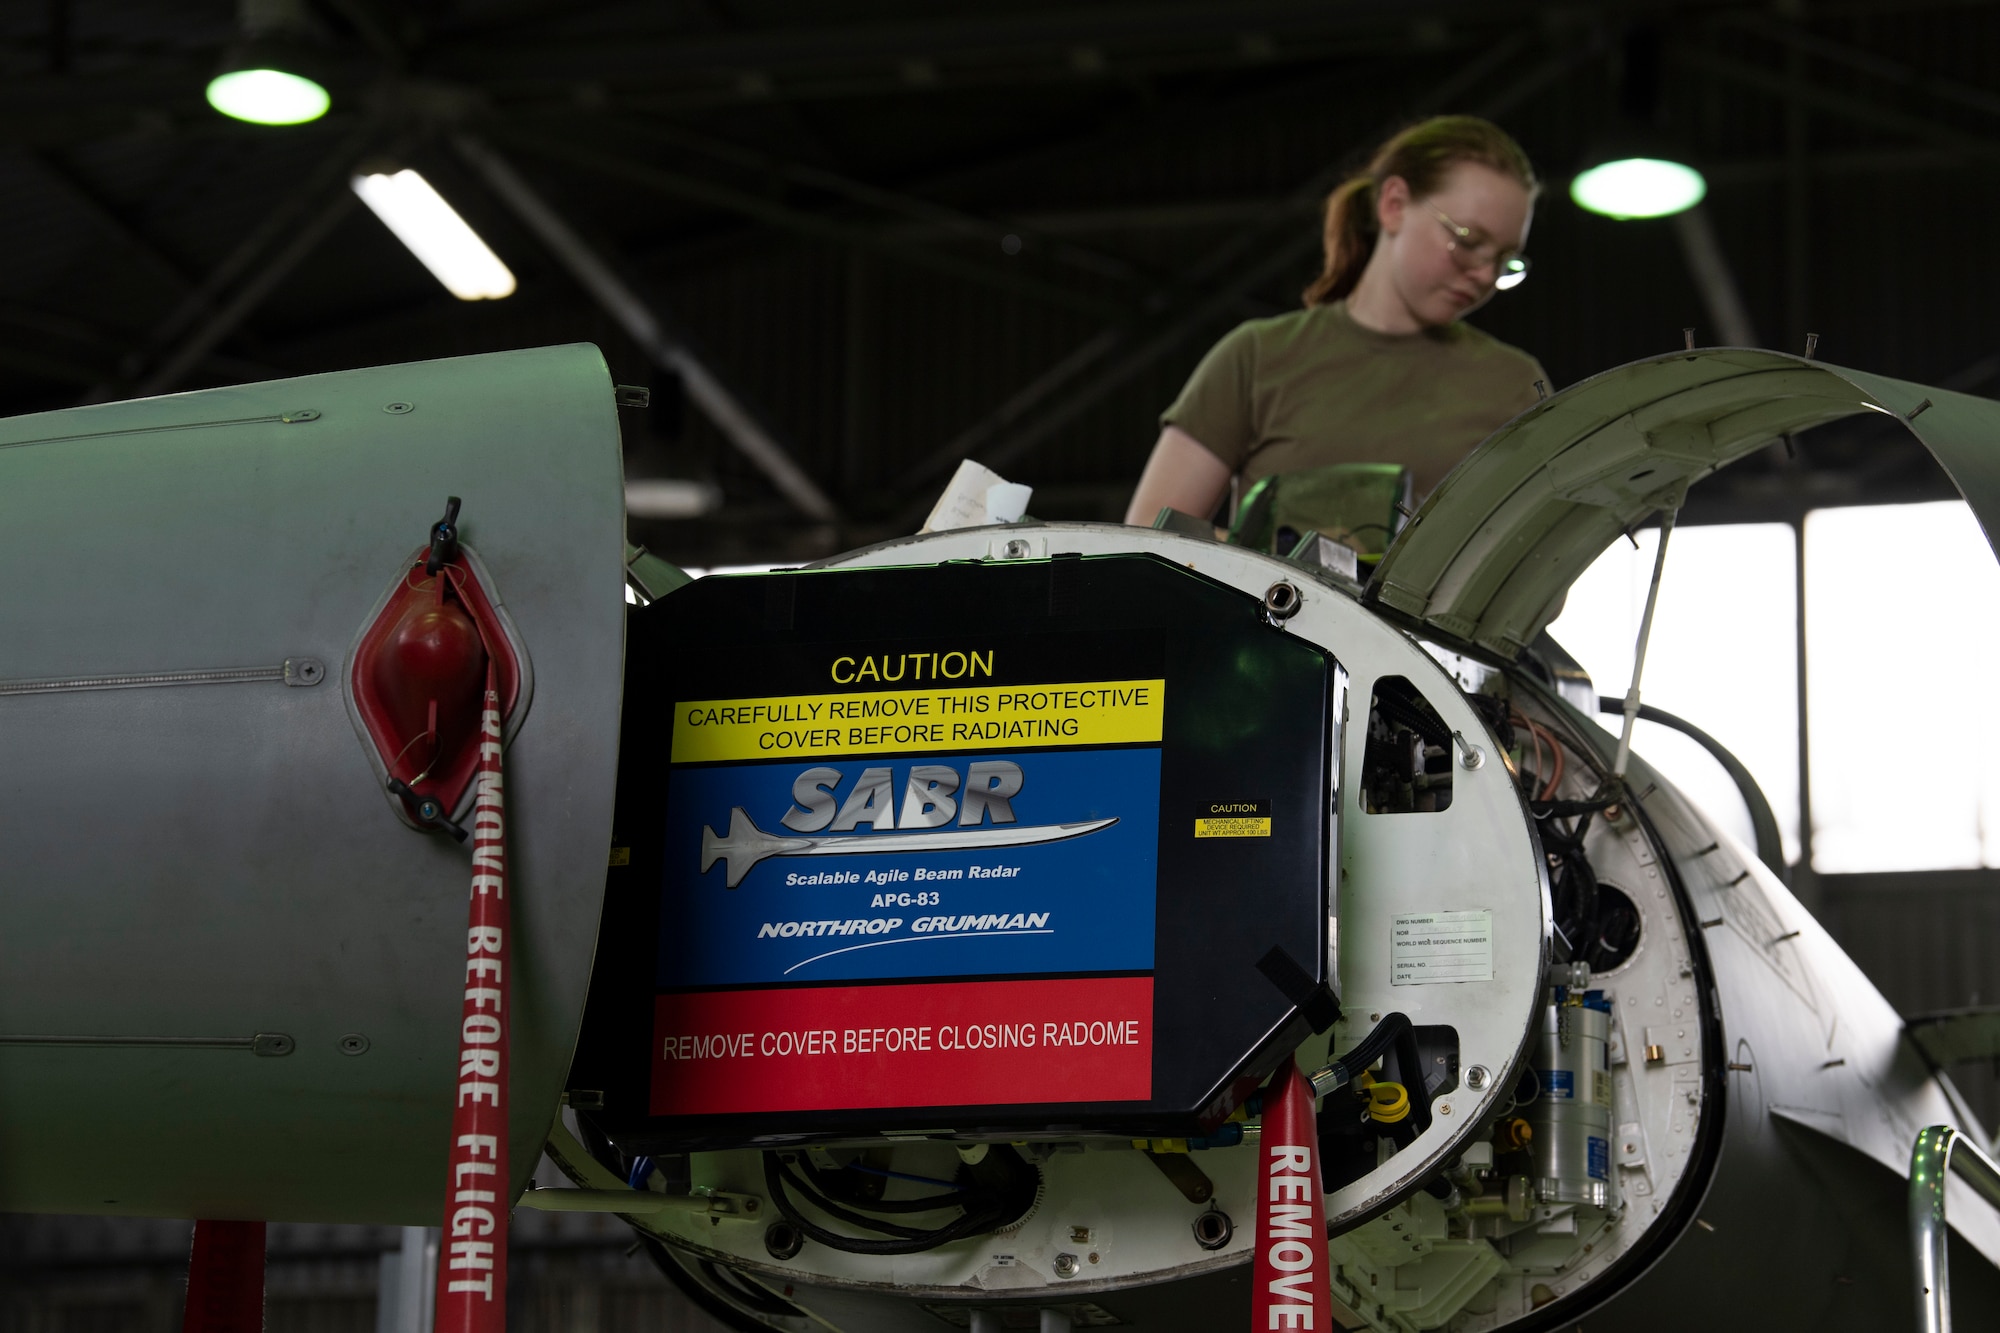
{"points": [[1395, 1031], [986, 1207], [1546, 783], [1770, 848]]}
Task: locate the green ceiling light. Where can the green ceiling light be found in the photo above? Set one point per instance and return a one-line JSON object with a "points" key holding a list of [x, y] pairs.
{"points": [[274, 73], [268, 96], [1637, 168], [1638, 187]]}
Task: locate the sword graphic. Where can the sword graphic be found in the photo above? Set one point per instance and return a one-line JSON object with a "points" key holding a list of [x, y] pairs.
{"points": [[746, 844]]}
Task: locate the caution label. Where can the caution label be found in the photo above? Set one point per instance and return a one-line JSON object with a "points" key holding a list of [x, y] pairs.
{"points": [[1081, 1039], [1116, 712], [1233, 819]]}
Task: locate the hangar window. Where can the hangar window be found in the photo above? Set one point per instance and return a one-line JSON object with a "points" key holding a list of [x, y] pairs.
{"points": [[1897, 615], [1902, 651], [1724, 656], [1406, 767]]}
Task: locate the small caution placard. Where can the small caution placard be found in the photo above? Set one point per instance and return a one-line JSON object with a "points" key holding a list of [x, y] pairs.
{"points": [[1233, 819]]}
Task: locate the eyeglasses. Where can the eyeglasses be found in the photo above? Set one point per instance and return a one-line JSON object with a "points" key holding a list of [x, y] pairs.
{"points": [[1510, 268]]}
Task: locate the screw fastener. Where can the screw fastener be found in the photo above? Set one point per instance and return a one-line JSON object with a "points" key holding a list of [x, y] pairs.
{"points": [[307, 671], [1281, 602]]}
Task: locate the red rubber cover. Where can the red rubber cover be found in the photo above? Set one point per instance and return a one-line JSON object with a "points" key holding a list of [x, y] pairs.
{"points": [[426, 650]]}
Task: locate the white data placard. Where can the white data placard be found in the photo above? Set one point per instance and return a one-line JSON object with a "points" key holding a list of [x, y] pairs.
{"points": [[1441, 946]]}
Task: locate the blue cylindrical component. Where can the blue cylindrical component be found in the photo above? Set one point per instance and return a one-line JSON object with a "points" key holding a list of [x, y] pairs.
{"points": [[1572, 1114]]}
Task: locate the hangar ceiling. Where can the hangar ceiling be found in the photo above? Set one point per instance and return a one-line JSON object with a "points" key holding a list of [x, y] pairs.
{"points": [[902, 233]]}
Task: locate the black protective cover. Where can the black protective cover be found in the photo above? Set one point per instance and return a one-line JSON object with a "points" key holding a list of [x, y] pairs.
{"points": [[1240, 947]]}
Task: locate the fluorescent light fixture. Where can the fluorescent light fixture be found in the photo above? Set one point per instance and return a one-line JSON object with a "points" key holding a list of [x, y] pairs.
{"points": [[666, 497], [1638, 187], [267, 97], [436, 235]]}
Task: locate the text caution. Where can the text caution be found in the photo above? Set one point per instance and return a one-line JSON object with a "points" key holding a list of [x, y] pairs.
{"points": [[1233, 819]]}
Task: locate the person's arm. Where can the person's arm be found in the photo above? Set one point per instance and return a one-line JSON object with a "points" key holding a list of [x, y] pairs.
{"points": [[1182, 474]]}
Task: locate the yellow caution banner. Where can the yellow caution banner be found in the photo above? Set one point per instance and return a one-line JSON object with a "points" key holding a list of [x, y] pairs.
{"points": [[1232, 828], [1241, 818], [1106, 712]]}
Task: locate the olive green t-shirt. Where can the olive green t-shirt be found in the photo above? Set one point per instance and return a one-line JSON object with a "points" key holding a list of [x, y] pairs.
{"points": [[1314, 388]]}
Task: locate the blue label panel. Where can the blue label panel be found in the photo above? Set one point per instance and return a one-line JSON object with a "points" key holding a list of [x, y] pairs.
{"points": [[1600, 1159], [880, 869], [1559, 1084]]}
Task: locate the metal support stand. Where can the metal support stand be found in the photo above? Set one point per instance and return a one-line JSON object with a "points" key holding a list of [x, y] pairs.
{"points": [[407, 1288], [1940, 1150], [225, 1291]]}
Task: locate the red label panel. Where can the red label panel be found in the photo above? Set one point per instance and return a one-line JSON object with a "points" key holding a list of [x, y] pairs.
{"points": [[974, 1043]]}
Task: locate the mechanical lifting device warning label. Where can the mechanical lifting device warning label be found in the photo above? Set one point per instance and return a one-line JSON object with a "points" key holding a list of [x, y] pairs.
{"points": [[1233, 819]]}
